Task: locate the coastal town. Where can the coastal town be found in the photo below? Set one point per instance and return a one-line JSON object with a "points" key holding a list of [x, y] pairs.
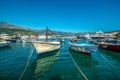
{"points": [[59, 39], [20, 36], [91, 37]]}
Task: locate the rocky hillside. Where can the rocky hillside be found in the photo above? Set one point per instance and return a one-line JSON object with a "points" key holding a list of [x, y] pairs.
{"points": [[61, 33], [14, 29], [12, 26]]}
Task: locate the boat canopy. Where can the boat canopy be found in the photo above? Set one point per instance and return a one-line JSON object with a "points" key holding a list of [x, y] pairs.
{"points": [[83, 45]]}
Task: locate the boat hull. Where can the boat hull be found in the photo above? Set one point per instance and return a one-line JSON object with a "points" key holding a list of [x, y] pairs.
{"points": [[45, 47], [26, 41], [83, 48], [4, 44], [111, 47], [77, 49], [12, 40]]}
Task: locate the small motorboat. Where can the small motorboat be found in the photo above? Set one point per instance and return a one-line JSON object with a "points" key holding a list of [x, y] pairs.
{"points": [[83, 48], [26, 40], [62, 41], [111, 41], [109, 46], [11, 40], [75, 40], [4, 44]]}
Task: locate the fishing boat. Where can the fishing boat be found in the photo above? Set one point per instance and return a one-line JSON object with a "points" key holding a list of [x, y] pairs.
{"points": [[43, 47], [62, 41], [109, 46], [75, 40], [26, 40], [83, 48], [4, 44], [111, 40], [11, 40], [46, 46]]}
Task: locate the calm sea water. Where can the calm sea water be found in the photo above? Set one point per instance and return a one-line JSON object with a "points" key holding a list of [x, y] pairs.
{"points": [[20, 61]]}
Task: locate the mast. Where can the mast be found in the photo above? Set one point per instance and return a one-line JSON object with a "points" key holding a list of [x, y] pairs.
{"points": [[46, 34]]}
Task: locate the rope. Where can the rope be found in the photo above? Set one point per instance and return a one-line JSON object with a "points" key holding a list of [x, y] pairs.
{"points": [[10, 72], [108, 62], [106, 59], [78, 68], [28, 61]]}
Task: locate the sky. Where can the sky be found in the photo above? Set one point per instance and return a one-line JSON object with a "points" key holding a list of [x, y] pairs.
{"points": [[62, 15]]}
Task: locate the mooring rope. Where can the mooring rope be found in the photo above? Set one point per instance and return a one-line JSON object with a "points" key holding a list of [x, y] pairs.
{"points": [[106, 59], [27, 64], [12, 70], [78, 68]]}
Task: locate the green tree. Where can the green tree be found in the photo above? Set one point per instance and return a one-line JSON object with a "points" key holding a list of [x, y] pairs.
{"points": [[118, 35], [15, 31]]}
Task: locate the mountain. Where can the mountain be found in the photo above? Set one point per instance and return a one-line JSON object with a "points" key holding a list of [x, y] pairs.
{"points": [[61, 33], [14, 29], [12, 26]]}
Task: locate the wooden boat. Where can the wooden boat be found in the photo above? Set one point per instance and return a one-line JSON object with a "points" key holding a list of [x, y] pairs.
{"points": [[61, 40], [83, 48], [4, 44], [11, 40], [45, 46], [111, 40], [26, 40], [75, 40], [109, 46]]}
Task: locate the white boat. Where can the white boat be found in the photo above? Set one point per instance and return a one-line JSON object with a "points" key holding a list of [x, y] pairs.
{"points": [[4, 44], [46, 46], [83, 47], [26, 40], [43, 47]]}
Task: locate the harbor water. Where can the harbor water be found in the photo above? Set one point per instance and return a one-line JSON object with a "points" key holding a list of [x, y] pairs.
{"points": [[19, 61]]}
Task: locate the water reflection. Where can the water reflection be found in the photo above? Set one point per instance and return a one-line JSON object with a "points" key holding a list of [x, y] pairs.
{"points": [[5, 48], [81, 57], [42, 65], [114, 55], [95, 67], [12, 61], [55, 66]]}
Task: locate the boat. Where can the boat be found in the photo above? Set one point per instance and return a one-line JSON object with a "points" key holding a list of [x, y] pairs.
{"points": [[83, 48], [26, 40], [61, 40], [111, 40], [43, 47], [3, 44], [11, 40], [46, 46], [109, 46], [75, 40]]}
